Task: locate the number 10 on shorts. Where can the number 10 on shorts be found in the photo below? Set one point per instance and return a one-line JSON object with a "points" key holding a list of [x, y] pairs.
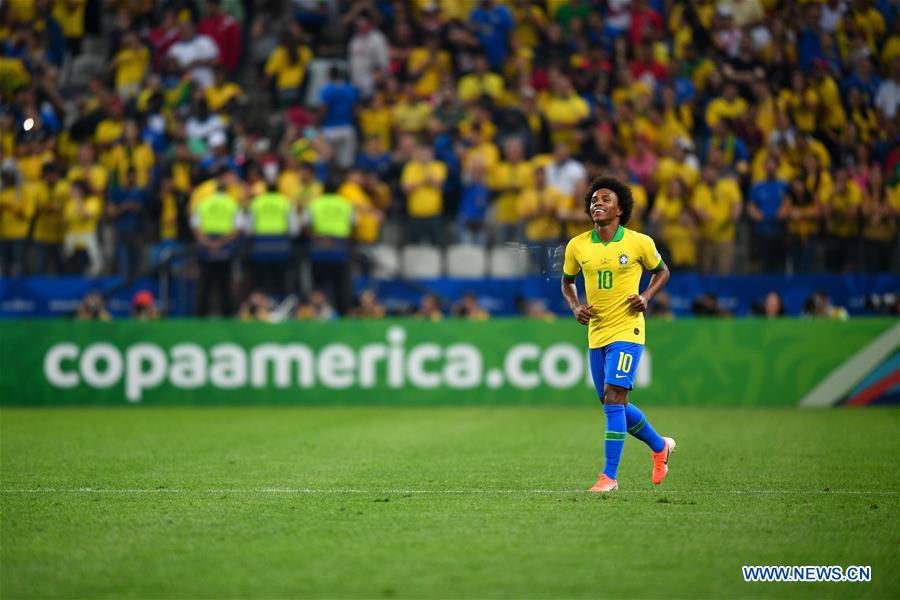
{"points": [[625, 361]]}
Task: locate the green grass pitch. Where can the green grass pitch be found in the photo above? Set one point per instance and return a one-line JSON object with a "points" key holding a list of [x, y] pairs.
{"points": [[472, 503]]}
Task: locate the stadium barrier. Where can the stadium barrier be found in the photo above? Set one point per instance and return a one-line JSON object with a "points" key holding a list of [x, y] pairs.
{"points": [[413, 362], [59, 296]]}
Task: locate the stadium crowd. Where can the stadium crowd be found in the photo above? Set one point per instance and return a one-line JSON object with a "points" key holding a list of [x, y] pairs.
{"points": [[266, 147]]}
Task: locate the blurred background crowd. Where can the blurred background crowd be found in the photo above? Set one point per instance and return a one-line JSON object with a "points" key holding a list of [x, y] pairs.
{"points": [[280, 148]]}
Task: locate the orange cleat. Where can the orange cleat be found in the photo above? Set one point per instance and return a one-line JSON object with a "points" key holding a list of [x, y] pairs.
{"points": [[661, 461], [604, 485]]}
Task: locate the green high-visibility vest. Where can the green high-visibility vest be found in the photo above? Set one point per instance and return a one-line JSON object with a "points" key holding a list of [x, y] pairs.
{"points": [[271, 214], [216, 213], [332, 216]]}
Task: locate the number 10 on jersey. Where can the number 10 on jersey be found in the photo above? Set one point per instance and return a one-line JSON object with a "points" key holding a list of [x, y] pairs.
{"points": [[604, 279]]}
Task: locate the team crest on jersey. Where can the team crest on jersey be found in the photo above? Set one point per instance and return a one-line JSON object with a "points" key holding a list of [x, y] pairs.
{"points": [[623, 259]]}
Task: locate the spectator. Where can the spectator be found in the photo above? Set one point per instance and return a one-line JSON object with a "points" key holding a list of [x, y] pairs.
{"points": [[422, 181], [195, 54], [317, 308], [225, 31], [509, 179], [71, 16], [257, 307], [286, 68], [370, 199], [881, 213], [819, 305], [131, 153], [92, 308], [717, 203], [672, 214], [493, 24], [539, 209], [206, 131], [368, 306], [864, 79], [480, 82], [16, 213], [842, 213], [473, 206], [337, 114], [223, 96], [50, 196], [766, 198], [565, 173], [165, 35], [469, 308], [772, 306], [368, 56], [731, 148], [802, 213], [887, 97], [130, 65], [430, 308], [125, 209], [727, 106], [81, 215], [566, 113], [642, 162], [143, 306]]}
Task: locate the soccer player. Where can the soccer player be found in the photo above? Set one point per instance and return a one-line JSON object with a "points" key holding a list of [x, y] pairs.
{"points": [[612, 259]]}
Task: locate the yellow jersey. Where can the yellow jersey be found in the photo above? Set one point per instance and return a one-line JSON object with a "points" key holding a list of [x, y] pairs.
{"points": [[427, 197], [287, 74], [82, 219], [368, 226], [131, 66], [50, 204], [540, 209], [16, 212], [612, 272], [718, 202]]}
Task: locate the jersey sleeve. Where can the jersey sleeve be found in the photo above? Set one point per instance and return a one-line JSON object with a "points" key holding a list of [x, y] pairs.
{"points": [[649, 255], [571, 266]]}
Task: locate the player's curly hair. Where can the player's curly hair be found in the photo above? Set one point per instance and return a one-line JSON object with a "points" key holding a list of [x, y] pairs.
{"points": [[622, 191]]}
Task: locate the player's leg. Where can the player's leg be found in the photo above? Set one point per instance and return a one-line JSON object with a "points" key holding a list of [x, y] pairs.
{"points": [[640, 427], [614, 400], [622, 364], [607, 483]]}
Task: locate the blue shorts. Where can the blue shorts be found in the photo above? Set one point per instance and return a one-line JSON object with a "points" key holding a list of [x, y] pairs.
{"points": [[615, 364]]}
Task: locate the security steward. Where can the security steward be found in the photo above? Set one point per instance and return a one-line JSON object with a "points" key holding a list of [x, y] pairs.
{"points": [[271, 224], [217, 221], [329, 222]]}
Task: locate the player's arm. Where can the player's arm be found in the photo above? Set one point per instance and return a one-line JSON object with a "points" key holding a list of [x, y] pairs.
{"points": [[650, 256], [581, 311], [571, 266], [658, 279]]}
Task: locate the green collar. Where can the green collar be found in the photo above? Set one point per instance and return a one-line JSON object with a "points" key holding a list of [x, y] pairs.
{"points": [[620, 233]]}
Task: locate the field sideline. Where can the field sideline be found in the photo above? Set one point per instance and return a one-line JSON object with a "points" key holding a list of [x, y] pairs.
{"points": [[443, 502]]}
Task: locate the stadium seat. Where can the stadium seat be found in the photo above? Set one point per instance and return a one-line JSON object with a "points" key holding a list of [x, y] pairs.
{"points": [[385, 261], [467, 261], [421, 262], [508, 261]]}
